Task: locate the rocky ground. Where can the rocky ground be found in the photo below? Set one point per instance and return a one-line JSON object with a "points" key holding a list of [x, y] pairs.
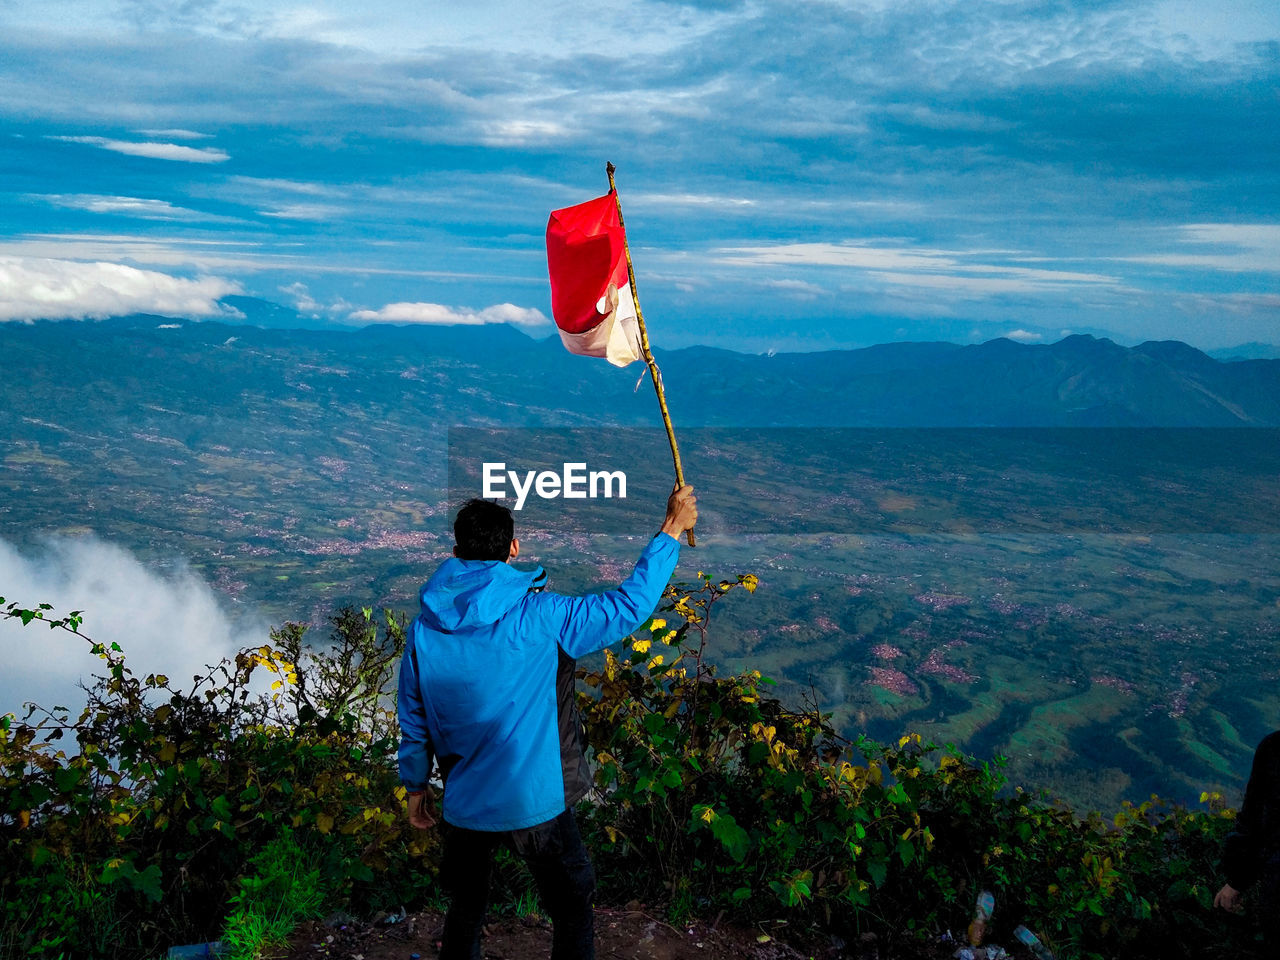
{"points": [[631, 933]]}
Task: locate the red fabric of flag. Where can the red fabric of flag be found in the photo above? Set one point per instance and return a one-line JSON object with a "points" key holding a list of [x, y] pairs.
{"points": [[590, 290]]}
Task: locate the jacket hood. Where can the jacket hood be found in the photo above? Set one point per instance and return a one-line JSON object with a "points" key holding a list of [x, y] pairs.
{"points": [[466, 594]]}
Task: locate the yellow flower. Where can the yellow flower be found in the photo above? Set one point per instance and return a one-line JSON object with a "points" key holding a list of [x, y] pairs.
{"points": [[656, 661], [640, 646], [657, 624], [764, 733], [708, 815]]}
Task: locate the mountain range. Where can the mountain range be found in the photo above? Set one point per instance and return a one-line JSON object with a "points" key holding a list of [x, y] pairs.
{"points": [[497, 375]]}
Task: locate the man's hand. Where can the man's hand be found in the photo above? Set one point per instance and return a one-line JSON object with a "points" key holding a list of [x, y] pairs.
{"points": [[1228, 898], [682, 511], [420, 810]]}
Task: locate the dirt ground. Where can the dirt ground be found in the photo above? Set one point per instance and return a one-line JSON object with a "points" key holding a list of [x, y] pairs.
{"points": [[621, 934]]}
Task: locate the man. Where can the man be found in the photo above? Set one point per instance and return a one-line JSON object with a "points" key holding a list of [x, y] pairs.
{"points": [[478, 692], [1251, 854]]}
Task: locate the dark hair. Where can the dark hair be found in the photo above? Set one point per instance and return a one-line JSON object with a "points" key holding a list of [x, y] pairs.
{"points": [[483, 530]]}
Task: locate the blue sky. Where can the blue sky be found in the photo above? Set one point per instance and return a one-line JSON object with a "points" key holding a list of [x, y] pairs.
{"points": [[794, 175]]}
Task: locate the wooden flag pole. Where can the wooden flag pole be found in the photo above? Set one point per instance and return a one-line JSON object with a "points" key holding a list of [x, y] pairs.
{"points": [[654, 373]]}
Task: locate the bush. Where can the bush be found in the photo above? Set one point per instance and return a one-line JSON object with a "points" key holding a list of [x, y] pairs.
{"points": [[147, 819], [178, 812], [716, 797]]}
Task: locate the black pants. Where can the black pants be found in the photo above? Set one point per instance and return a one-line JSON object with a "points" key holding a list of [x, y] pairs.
{"points": [[1269, 906], [556, 857]]}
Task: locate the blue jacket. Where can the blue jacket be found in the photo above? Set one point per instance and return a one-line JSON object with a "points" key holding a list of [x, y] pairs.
{"points": [[478, 683]]}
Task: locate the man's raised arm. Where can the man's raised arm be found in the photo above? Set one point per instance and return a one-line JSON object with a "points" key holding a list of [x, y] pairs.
{"points": [[587, 624]]}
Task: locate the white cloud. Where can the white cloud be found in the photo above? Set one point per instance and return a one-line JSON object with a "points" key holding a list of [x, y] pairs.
{"points": [[170, 623], [300, 296], [1228, 247], [966, 271], [202, 254], [206, 255], [975, 287], [436, 313], [303, 302], [1024, 336], [519, 133], [1251, 236], [275, 184], [842, 255], [304, 211], [154, 149], [1264, 306], [800, 289], [38, 289], [688, 200], [139, 207], [1219, 26], [176, 134]]}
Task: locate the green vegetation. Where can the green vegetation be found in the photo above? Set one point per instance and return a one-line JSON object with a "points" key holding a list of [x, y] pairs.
{"points": [[282, 889], [145, 821], [267, 792]]}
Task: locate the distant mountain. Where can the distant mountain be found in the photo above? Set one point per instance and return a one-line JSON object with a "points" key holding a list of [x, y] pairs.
{"points": [[1079, 381], [1248, 351], [269, 315], [497, 375]]}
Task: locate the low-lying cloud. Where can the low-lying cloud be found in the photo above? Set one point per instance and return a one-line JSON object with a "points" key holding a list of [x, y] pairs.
{"points": [[38, 289], [437, 313], [168, 621]]}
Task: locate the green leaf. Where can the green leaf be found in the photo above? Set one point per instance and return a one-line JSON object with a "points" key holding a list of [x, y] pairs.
{"points": [[906, 852], [878, 870], [732, 837], [67, 778], [147, 882]]}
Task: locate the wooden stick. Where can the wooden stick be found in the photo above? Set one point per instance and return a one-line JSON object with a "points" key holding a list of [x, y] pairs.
{"points": [[654, 373]]}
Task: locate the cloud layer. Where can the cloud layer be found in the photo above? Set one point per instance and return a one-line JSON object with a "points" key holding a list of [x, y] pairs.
{"points": [[168, 622], [35, 289], [435, 313]]}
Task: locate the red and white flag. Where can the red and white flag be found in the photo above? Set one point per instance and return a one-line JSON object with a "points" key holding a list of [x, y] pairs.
{"points": [[590, 290]]}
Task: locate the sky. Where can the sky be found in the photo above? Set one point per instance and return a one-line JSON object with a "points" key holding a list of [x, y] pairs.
{"points": [[796, 175]]}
